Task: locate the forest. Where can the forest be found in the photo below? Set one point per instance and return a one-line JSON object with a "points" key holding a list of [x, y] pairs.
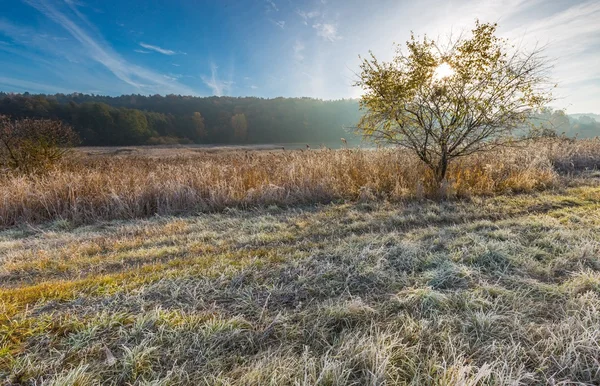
{"points": [[171, 119]]}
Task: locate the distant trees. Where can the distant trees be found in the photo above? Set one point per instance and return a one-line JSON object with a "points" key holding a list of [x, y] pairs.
{"points": [[240, 127], [33, 145], [171, 119], [99, 123], [131, 127], [584, 127], [159, 124], [138, 119], [199, 126], [553, 123], [550, 123], [445, 100]]}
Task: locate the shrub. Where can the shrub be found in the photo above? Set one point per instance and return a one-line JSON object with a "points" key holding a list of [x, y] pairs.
{"points": [[33, 145]]}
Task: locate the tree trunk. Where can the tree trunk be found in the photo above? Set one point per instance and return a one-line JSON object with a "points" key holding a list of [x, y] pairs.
{"points": [[440, 170]]}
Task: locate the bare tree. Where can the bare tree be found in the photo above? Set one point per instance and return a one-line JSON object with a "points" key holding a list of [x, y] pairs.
{"points": [[468, 95]]}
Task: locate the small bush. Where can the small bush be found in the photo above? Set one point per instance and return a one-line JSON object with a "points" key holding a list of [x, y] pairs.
{"points": [[33, 145]]}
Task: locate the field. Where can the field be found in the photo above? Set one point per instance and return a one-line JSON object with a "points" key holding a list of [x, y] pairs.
{"points": [[127, 183], [302, 268]]}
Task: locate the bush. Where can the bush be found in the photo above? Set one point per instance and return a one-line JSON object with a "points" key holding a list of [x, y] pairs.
{"points": [[33, 145]]}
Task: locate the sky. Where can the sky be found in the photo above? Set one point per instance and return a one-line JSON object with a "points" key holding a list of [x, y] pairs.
{"points": [[269, 48]]}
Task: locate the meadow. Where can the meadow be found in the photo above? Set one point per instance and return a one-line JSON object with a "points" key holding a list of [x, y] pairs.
{"points": [[126, 183], [302, 267]]}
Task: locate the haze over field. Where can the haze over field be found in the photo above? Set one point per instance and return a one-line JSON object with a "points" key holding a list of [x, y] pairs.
{"points": [[267, 48]]}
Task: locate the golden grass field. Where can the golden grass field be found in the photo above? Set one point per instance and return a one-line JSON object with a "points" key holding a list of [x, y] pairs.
{"points": [[136, 182], [324, 267]]}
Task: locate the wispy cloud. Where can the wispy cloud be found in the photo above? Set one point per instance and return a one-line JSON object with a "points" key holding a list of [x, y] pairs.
{"points": [[306, 16], [571, 38], [219, 87], [96, 49], [158, 49], [27, 85], [327, 31], [142, 51], [26, 41], [280, 23], [75, 3], [272, 5], [572, 29]]}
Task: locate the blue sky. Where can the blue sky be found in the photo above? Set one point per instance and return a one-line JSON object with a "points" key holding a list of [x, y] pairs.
{"points": [[268, 48]]}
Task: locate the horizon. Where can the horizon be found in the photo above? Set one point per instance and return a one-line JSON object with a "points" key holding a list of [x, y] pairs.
{"points": [[268, 48], [357, 99]]}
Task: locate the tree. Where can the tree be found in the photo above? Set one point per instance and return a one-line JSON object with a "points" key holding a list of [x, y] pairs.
{"points": [[132, 127], [94, 120], [158, 123], [199, 127], [550, 123], [33, 145], [240, 127], [560, 122], [448, 100]]}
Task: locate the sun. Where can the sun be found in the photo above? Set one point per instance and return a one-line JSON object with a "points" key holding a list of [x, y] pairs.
{"points": [[443, 71]]}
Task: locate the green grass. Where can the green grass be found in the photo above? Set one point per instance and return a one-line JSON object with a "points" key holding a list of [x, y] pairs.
{"points": [[499, 290]]}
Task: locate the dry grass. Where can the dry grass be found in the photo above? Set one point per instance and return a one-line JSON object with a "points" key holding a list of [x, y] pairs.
{"points": [[499, 289], [91, 187]]}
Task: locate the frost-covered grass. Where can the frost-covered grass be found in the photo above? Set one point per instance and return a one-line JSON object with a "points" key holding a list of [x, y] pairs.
{"points": [[497, 290]]}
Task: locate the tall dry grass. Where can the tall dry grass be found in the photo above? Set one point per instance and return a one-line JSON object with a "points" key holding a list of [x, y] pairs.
{"points": [[89, 188]]}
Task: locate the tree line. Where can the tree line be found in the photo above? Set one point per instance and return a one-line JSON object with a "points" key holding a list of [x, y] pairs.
{"points": [[137, 119]]}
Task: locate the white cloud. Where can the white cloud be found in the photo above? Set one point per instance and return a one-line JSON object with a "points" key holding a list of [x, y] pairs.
{"points": [[327, 31], [569, 37], [157, 49], [569, 29], [272, 5], [96, 49], [218, 86], [306, 16]]}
